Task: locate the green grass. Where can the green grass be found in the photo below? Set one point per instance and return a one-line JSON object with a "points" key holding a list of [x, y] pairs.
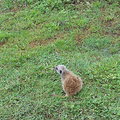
{"points": [[86, 39]]}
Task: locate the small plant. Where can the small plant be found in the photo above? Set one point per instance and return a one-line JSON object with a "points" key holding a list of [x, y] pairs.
{"points": [[4, 36], [82, 22]]}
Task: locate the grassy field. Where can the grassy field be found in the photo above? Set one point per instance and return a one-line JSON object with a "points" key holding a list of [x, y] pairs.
{"points": [[33, 39]]}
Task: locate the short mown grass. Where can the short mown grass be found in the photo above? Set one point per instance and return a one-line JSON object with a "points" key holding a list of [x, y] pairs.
{"points": [[84, 37]]}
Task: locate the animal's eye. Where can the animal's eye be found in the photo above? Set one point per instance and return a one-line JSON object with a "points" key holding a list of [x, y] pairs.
{"points": [[60, 71]]}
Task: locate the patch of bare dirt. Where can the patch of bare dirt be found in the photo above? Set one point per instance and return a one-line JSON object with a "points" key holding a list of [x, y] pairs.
{"points": [[2, 43], [108, 23], [80, 37], [35, 43], [14, 9], [111, 25]]}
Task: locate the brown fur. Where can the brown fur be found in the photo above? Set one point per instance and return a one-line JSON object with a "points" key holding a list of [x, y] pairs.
{"points": [[71, 83]]}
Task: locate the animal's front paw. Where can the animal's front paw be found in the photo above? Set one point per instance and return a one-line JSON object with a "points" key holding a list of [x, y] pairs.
{"points": [[66, 95]]}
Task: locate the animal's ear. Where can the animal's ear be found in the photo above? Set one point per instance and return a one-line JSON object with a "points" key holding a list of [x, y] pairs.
{"points": [[64, 68], [60, 71]]}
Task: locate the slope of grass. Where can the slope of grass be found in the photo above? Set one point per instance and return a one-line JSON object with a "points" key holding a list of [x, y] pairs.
{"points": [[85, 39]]}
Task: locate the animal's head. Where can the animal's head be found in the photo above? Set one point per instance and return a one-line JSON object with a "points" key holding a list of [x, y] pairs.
{"points": [[60, 69]]}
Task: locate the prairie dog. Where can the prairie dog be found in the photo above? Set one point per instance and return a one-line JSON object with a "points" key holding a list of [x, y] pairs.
{"points": [[71, 83]]}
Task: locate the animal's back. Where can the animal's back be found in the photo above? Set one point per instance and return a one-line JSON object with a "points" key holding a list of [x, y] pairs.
{"points": [[72, 84]]}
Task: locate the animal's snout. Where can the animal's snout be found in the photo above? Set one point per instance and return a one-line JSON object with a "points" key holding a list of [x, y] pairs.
{"points": [[55, 68]]}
